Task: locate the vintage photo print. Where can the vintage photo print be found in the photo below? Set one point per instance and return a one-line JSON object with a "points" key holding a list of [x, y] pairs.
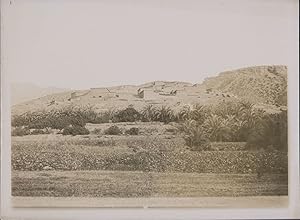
{"points": [[148, 104]]}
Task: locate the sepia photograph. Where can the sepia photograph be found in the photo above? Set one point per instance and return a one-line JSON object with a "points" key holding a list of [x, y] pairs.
{"points": [[148, 104], [226, 136]]}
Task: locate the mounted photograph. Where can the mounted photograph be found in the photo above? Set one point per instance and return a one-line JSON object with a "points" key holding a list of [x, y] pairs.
{"points": [[147, 104], [224, 137]]}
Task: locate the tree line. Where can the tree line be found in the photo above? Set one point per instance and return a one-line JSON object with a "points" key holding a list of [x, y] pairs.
{"points": [[231, 121]]}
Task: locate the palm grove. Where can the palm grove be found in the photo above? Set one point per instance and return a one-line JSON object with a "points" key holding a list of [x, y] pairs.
{"points": [[199, 125]]}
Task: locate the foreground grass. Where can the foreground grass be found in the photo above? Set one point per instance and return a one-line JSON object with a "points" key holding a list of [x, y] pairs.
{"points": [[156, 153], [144, 184]]}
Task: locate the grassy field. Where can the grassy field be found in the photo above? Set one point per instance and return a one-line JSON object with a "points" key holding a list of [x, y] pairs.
{"points": [[158, 153], [155, 163], [144, 184]]}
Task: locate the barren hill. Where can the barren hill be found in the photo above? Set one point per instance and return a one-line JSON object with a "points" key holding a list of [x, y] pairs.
{"points": [[261, 84], [22, 92]]}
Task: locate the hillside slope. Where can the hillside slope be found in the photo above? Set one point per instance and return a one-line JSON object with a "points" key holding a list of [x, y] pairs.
{"points": [[262, 84], [265, 85], [22, 92]]}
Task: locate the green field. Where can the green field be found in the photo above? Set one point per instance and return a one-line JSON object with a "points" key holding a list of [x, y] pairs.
{"points": [[144, 184]]}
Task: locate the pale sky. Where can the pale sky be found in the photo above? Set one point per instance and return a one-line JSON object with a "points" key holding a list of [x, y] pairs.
{"points": [[82, 44]]}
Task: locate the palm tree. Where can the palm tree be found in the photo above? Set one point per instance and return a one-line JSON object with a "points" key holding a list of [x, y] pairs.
{"points": [[218, 128], [199, 113], [164, 114], [195, 135], [227, 108], [185, 113], [251, 116], [148, 113], [239, 130]]}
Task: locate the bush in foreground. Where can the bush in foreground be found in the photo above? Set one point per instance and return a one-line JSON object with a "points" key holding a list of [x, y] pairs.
{"points": [[127, 115], [132, 131], [97, 131], [75, 130], [19, 131], [113, 130]]}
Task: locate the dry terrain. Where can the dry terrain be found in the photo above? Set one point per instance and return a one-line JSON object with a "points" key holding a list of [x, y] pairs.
{"points": [[225, 137], [153, 163], [265, 85], [144, 184]]}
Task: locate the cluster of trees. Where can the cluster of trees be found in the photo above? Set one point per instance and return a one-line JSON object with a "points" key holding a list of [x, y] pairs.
{"points": [[56, 119], [226, 121], [79, 116], [234, 122]]}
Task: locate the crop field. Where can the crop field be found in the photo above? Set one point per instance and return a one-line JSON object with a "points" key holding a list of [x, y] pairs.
{"points": [[154, 163]]}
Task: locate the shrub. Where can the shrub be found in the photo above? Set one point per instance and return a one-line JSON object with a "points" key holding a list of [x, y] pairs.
{"points": [[103, 117], [75, 130], [19, 120], [270, 132], [19, 131], [113, 130], [127, 115], [132, 131], [195, 136], [97, 131]]}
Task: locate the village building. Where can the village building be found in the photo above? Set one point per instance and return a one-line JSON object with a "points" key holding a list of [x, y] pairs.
{"points": [[104, 93], [147, 93]]}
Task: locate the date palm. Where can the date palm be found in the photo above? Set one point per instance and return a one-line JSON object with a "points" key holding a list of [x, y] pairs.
{"points": [[185, 113], [199, 113], [250, 115], [164, 114], [148, 113], [218, 128], [195, 135]]}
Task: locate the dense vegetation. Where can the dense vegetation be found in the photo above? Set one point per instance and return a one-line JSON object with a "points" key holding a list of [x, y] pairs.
{"points": [[157, 154], [199, 125], [75, 130], [113, 130], [234, 122]]}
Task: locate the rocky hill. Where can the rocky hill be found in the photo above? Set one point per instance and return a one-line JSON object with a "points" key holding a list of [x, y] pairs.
{"points": [[263, 85]]}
